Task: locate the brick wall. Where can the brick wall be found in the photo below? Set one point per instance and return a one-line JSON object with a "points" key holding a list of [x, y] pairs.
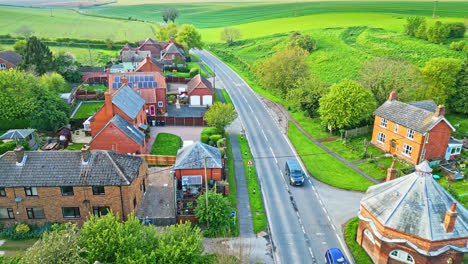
{"points": [[112, 138], [103, 116], [8, 65], [212, 174], [201, 92], [161, 96], [439, 137]]}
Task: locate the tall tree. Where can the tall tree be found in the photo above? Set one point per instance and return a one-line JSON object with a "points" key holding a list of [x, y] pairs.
{"points": [[54, 82], [302, 41], [190, 37], [220, 115], [230, 35], [165, 32], [37, 56], [346, 105], [412, 24], [51, 112], [439, 76], [17, 94], [66, 65], [306, 93], [457, 29], [437, 33], [20, 46], [459, 102], [280, 73], [421, 33], [169, 14]]}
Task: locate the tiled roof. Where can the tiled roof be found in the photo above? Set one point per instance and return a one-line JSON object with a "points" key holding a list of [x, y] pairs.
{"points": [[172, 48], [148, 94], [17, 133], [199, 82], [11, 56], [134, 55], [128, 128], [415, 204], [192, 157], [428, 105], [409, 115], [65, 168], [93, 69], [128, 101]]}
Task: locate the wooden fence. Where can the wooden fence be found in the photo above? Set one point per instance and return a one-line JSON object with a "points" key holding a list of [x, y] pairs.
{"points": [[182, 121], [359, 131], [158, 159], [174, 79]]}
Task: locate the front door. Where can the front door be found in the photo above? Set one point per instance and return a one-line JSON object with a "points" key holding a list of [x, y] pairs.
{"points": [[392, 146]]}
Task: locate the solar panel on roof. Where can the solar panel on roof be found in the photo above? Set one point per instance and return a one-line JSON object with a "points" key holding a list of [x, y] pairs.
{"points": [[146, 78], [114, 85], [117, 79]]}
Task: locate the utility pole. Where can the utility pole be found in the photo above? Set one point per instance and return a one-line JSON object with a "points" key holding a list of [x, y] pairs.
{"points": [[51, 13], [90, 58], [214, 77], [423, 154], [295, 10], [206, 189], [435, 8]]}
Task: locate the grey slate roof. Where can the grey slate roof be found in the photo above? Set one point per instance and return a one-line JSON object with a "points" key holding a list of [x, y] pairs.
{"points": [[192, 157], [11, 56], [428, 105], [17, 133], [128, 101], [172, 48], [415, 204], [128, 128], [409, 115], [65, 168]]}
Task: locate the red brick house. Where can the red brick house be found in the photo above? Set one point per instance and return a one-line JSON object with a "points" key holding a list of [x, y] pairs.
{"points": [[67, 186], [200, 91], [149, 65], [190, 162], [119, 135], [151, 86], [9, 59], [412, 131], [152, 48], [125, 102], [412, 219], [172, 51]]}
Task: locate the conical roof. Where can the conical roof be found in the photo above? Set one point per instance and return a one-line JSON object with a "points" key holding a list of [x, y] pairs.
{"points": [[415, 204]]}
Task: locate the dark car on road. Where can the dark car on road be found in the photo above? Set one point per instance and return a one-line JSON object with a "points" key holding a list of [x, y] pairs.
{"points": [[294, 172], [334, 256]]}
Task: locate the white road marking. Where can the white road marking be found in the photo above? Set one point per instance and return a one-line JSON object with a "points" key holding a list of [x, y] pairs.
{"points": [[263, 132]]}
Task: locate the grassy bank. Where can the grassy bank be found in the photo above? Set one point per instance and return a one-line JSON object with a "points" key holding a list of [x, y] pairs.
{"points": [[360, 256], [324, 166], [256, 203]]}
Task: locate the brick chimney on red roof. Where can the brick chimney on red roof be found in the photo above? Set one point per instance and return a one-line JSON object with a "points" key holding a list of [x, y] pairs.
{"points": [[450, 218], [172, 40], [124, 80], [391, 172], [393, 96], [108, 103], [108, 70], [148, 59], [440, 111]]}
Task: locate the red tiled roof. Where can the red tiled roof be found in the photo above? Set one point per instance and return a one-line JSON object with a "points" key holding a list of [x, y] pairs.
{"points": [[199, 82], [149, 94]]}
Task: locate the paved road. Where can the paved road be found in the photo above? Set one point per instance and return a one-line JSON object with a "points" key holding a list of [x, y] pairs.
{"points": [[300, 225]]}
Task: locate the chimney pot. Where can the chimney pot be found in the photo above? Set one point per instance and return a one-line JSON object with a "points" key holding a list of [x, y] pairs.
{"points": [[19, 152], [440, 111], [393, 96], [450, 218], [454, 207], [172, 40], [124, 80], [85, 154]]}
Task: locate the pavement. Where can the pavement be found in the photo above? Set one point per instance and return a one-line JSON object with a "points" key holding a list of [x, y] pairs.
{"points": [[300, 218]]}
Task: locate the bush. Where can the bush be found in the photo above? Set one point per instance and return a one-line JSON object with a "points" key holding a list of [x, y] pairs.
{"points": [[22, 229], [215, 138], [204, 138], [457, 29], [35, 232], [210, 131], [211, 143], [457, 45], [11, 145], [223, 152], [194, 72], [220, 142]]}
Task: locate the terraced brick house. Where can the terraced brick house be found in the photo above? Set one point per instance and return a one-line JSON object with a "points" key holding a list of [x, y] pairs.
{"points": [[67, 186], [413, 131]]}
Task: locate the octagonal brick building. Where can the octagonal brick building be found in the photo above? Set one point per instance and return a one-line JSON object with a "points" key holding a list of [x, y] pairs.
{"points": [[412, 219]]}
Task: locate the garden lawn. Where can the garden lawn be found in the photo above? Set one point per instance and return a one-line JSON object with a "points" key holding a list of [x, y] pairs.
{"points": [[87, 109], [460, 122], [459, 187], [378, 169], [166, 144], [324, 166], [13, 248], [192, 65], [360, 256], [354, 149], [100, 87], [75, 146], [256, 203], [178, 74]]}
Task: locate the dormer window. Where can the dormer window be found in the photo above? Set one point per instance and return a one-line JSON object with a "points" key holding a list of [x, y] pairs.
{"points": [[383, 122]]}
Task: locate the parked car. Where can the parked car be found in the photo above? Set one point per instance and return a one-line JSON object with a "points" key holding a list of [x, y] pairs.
{"points": [[334, 256], [294, 172]]}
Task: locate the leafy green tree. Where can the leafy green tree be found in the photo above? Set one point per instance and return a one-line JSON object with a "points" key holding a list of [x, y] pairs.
{"points": [[421, 33], [51, 112], [457, 29], [109, 43], [169, 14], [412, 24], [180, 243], [37, 56], [305, 42], [24, 31], [17, 94], [190, 37], [306, 93], [108, 240], [346, 105], [439, 76], [56, 247], [437, 33], [220, 115], [230, 35], [54, 82], [164, 33], [67, 66], [217, 214], [459, 102], [280, 73], [383, 75], [20, 46]]}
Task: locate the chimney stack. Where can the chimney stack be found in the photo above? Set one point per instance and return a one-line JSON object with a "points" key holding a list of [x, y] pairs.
{"points": [[172, 40], [85, 154], [391, 172], [440, 111], [148, 59], [19, 152], [108, 103], [393, 96], [450, 218], [124, 80], [108, 70]]}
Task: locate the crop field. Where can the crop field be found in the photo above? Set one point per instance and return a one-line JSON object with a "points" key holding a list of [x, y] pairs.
{"points": [[68, 23]]}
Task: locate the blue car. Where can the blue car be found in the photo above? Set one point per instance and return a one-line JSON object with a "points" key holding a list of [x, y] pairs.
{"points": [[334, 256]]}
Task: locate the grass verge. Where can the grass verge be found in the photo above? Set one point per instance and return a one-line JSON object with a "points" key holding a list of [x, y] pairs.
{"points": [[87, 109], [216, 96], [75, 146], [166, 144], [226, 96], [232, 197], [324, 166], [14, 248], [209, 69], [195, 58], [360, 256], [256, 203]]}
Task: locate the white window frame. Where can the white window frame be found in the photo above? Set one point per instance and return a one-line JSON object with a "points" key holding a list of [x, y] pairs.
{"points": [[396, 128], [160, 104], [31, 191], [368, 234], [410, 133], [383, 122], [381, 136], [458, 151], [401, 256], [427, 137], [3, 66], [405, 149]]}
